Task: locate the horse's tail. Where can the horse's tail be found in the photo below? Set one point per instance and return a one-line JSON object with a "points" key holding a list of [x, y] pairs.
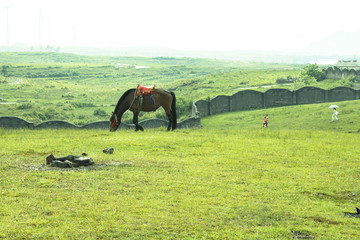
{"points": [[173, 111]]}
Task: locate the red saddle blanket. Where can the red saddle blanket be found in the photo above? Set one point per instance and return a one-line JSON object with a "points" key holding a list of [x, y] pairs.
{"points": [[142, 90]]}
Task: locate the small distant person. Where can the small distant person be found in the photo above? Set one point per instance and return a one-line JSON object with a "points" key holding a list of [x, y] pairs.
{"points": [[266, 121], [334, 116]]}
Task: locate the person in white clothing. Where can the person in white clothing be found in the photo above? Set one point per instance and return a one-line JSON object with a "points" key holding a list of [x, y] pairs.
{"points": [[334, 116]]}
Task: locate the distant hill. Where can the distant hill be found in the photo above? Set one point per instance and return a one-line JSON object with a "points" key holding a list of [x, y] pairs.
{"points": [[341, 45], [44, 57], [236, 55]]}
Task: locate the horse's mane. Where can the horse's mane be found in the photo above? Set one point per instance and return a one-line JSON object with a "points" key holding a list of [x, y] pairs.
{"points": [[123, 97]]}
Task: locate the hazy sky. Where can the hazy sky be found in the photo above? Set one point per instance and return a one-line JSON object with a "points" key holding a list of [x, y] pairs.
{"points": [[286, 25]]}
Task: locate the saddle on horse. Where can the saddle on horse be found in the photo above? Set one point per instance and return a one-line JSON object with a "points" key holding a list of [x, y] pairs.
{"points": [[143, 90]]}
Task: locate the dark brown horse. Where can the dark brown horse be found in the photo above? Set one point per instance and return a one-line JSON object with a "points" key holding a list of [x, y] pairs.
{"points": [[146, 103]]}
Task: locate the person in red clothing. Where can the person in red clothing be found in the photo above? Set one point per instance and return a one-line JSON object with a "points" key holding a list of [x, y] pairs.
{"points": [[266, 121]]}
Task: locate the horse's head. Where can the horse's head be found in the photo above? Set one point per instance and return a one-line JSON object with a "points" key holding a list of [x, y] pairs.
{"points": [[114, 123]]}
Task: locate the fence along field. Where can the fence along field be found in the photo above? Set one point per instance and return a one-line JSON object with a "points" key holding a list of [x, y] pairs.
{"points": [[15, 122], [250, 99]]}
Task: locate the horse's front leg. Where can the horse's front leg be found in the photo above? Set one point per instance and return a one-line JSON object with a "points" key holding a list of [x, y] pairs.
{"points": [[136, 121]]}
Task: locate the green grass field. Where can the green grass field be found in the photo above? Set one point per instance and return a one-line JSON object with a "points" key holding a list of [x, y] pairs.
{"points": [[232, 179]]}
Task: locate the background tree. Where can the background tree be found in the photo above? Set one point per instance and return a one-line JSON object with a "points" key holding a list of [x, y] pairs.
{"points": [[308, 80], [313, 70]]}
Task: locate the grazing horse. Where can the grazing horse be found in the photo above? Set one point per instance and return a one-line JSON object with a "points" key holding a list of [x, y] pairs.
{"points": [[149, 102]]}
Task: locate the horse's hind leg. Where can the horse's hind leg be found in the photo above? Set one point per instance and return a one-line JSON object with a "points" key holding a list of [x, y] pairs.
{"points": [[136, 122], [170, 117]]}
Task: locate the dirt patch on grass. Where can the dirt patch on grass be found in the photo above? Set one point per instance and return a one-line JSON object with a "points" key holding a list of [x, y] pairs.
{"points": [[302, 235], [100, 166], [324, 220]]}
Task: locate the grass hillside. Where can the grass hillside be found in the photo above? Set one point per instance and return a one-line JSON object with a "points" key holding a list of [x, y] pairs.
{"points": [[228, 83], [309, 117], [41, 86]]}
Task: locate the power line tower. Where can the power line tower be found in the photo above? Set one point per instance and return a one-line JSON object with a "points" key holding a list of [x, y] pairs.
{"points": [[40, 26], [7, 24]]}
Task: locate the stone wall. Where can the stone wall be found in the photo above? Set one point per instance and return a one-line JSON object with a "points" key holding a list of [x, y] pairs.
{"points": [[342, 94], [245, 100], [249, 99], [307, 95], [202, 107], [278, 97], [219, 104], [337, 72], [15, 122]]}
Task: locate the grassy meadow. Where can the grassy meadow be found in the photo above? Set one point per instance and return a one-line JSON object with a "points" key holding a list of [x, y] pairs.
{"points": [[232, 179]]}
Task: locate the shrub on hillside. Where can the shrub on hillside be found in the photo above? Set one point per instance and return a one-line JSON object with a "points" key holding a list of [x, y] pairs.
{"points": [[3, 80], [100, 112], [285, 80], [308, 80], [4, 70], [183, 107], [24, 106], [348, 82], [82, 104]]}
